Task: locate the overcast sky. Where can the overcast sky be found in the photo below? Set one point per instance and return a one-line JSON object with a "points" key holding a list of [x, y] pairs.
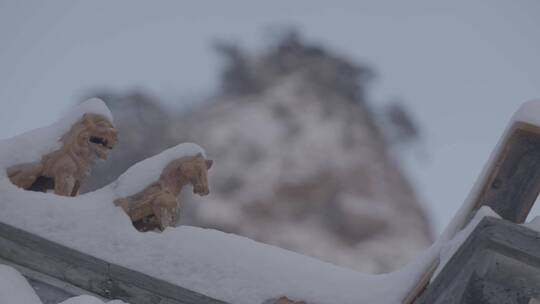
{"points": [[463, 67]]}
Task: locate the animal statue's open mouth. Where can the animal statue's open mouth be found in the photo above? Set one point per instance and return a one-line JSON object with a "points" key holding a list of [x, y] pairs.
{"points": [[200, 190], [100, 141], [64, 169]]}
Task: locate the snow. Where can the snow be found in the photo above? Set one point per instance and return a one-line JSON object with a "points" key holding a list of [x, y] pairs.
{"points": [[534, 224], [85, 299], [14, 288], [29, 147], [224, 266], [149, 170], [529, 112]]}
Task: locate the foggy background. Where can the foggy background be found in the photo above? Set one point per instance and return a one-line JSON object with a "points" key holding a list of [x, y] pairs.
{"points": [[459, 68]]}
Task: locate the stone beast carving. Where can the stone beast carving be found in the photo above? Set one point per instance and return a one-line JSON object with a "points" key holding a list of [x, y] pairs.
{"points": [[65, 169], [155, 206]]}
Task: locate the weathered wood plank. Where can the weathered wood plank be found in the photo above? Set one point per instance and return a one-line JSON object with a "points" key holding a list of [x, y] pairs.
{"points": [[90, 273], [513, 183], [129, 279], [510, 187], [497, 253], [49, 289], [52, 259]]}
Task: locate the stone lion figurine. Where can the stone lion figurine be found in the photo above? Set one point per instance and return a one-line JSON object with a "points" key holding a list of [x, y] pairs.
{"points": [[155, 206], [65, 169]]}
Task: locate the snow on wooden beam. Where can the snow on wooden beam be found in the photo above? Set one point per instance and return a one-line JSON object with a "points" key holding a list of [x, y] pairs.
{"points": [[513, 182], [49, 289], [498, 263], [509, 183], [90, 273]]}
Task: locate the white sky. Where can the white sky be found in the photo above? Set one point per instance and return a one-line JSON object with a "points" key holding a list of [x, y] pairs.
{"points": [[463, 67]]}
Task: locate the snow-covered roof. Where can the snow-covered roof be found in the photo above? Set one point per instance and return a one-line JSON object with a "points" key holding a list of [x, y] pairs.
{"points": [[223, 266]]}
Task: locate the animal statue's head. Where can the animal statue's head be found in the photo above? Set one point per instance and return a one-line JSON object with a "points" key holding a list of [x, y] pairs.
{"points": [[94, 133], [195, 171], [188, 170]]}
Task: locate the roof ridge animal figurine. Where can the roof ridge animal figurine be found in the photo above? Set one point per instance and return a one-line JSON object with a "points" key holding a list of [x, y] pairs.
{"points": [[65, 169], [155, 206]]}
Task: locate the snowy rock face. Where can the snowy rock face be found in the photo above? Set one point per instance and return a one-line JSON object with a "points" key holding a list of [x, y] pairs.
{"points": [[300, 162]]}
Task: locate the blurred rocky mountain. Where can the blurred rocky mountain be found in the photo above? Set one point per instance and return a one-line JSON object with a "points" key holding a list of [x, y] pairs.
{"points": [[301, 161]]}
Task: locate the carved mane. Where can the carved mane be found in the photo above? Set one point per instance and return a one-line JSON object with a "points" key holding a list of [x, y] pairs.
{"points": [[65, 169]]}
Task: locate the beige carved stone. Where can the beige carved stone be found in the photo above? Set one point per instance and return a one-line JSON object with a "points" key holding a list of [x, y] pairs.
{"points": [[155, 206], [65, 169]]}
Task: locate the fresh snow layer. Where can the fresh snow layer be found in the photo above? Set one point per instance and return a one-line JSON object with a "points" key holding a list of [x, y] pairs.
{"points": [[534, 224], [14, 288], [145, 172], [224, 266], [85, 299], [529, 112]]}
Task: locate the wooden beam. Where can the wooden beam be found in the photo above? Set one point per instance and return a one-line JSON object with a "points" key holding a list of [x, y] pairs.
{"points": [[497, 252], [510, 186], [49, 287], [89, 273], [513, 182]]}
